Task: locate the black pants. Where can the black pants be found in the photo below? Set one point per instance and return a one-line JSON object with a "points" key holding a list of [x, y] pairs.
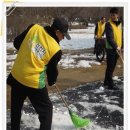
{"points": [[99, 42], [112, 57], [40, 101]]}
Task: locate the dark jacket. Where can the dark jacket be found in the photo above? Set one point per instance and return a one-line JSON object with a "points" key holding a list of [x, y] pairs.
{"points": [[52, 71], [110, 35]]}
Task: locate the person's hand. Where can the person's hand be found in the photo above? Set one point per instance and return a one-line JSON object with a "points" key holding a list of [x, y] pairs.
{"points": [[53, 85], [95, 37], [118, 48], [103, 37]]}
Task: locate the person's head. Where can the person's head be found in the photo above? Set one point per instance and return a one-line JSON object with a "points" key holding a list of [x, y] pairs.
{"points": [[60, 25], [114, 14], [103, 20]]}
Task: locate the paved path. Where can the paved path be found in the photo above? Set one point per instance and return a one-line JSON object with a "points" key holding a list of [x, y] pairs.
{"points": [[103, 107]]}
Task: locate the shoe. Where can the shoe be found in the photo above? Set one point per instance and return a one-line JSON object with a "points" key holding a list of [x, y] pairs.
{"points": [[109, 84], [112, 88], [105, 84]]}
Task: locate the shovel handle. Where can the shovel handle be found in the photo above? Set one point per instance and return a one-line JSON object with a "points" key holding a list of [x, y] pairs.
{"points": [[61, 96], [119, 53]]}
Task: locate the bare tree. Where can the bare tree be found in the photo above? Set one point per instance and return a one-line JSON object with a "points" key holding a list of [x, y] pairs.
{"points": [[22, 17]]}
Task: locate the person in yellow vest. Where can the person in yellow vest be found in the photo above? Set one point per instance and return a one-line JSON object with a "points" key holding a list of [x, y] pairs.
{"points": [[38, 54], [113, 31], [99, 31]]}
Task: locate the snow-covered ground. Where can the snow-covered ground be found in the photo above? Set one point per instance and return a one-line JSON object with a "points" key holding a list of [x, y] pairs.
{"points": [[84, 60], [80, 39], [103, 107]]}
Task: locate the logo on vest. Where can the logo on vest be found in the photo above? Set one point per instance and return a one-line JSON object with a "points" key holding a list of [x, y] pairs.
{"points": [[39, 51]]}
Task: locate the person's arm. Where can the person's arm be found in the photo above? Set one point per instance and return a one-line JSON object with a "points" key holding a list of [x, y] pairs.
{"points": [[110, 35], [103, 33], [122, 38], [19, 39], [96, 29], [52, 71]]}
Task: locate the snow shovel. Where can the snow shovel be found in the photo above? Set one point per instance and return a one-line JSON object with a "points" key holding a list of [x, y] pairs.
{"points": [[77, 121]]}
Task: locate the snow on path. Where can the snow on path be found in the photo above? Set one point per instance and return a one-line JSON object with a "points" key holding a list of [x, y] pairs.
{"points": [[103, 107]]}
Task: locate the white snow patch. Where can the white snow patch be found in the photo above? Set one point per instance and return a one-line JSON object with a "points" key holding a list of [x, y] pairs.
{"points": [[30, 120], [95, 63], [101, 88], [110, 107], [10, 46], [80, 39], [10, 64], [69, 61], [11, 57], [87, 30], [73, 108], [84, 97], [61, 121], [83, 63], [116, 78], [54, 97]]}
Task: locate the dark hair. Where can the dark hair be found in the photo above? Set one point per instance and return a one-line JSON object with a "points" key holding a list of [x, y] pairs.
{"points": [[102, 18], [114, 10]]}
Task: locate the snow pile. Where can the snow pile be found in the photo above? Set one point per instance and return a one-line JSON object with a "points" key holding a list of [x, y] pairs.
{"points": [[83, 63], [67, 62], [76, 61]]}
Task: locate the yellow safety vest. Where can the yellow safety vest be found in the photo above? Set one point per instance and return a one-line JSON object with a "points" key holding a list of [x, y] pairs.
{"points": [[36, 50], [101, 28], [117, 32]]}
